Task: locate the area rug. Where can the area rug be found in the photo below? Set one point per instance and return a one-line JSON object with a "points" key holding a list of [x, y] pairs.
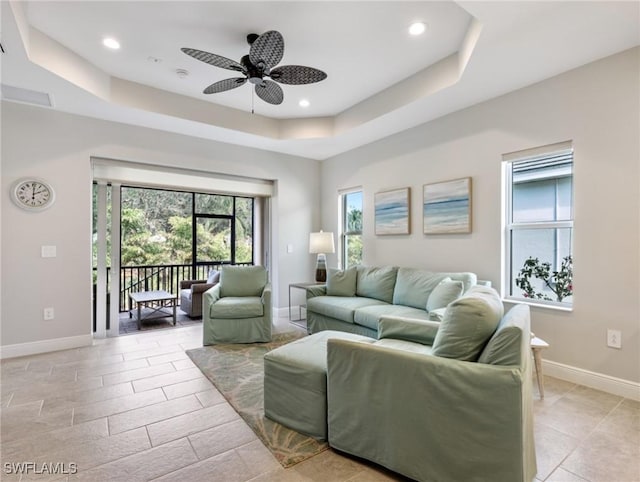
{"points": [[237, 371]]}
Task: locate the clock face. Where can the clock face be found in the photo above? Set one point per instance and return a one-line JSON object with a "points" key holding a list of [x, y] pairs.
{"points": [[33, 194]]}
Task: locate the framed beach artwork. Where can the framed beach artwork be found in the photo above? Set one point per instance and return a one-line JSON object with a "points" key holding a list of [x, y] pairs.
{"points": [[446, 207], [392, 213]]}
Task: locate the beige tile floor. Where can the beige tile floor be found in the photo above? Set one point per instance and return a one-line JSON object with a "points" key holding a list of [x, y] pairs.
{"points": [[135, 408]]}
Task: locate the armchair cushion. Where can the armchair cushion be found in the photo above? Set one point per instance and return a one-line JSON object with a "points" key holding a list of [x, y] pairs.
{"points": [[242, 280], [237, 307], [468, 324]]}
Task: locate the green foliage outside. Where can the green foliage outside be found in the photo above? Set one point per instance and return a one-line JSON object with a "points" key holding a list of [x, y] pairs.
{"points": [[560, 282], [353, 241], [156, 227]]}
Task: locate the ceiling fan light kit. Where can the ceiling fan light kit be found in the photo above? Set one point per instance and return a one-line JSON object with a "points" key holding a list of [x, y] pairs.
{"points": [[265, 53]]}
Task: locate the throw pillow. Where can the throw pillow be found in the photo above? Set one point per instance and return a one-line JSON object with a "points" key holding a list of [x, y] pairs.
{"points": [[341, 283], [443, 294], [214, 277], [469, 322]]}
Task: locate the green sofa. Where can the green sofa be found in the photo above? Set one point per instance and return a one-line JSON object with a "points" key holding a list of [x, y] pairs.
{"points": [[445, 401], [355, 300]]}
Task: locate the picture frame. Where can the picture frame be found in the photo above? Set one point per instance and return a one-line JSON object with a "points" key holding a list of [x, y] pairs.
{"points": [[446, 207], [393, 212]]}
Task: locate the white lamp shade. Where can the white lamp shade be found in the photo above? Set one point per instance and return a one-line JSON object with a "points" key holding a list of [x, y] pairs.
{"points": [[321, 243]]}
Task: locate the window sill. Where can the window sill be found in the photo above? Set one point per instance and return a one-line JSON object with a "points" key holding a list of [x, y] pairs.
{"points": [[537, 304]]}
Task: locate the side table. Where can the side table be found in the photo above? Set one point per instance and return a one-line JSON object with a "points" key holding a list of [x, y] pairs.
{"points": [[303, 285], [537, 345]]}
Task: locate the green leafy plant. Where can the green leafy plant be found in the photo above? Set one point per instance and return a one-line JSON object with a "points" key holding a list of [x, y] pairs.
{"points": [[559, 282]]}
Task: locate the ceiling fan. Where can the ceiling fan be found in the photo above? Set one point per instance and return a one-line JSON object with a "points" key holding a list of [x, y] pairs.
{"points": [[265, 53]]}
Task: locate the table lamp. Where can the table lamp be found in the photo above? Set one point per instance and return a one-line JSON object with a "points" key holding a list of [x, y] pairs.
{"points": [[320, 244]]}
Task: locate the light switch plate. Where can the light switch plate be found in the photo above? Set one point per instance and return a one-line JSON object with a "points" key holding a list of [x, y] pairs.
{"points": [[48, 251], [289, 248]]}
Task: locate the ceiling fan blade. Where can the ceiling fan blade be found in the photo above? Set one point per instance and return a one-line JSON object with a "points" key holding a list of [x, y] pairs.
{"points": [[223, 85], [213, 59], [297, 75], [270, 92], [268, 49]]}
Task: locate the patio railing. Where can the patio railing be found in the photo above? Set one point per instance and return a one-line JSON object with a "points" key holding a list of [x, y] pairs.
{"points": [[165, 277]]}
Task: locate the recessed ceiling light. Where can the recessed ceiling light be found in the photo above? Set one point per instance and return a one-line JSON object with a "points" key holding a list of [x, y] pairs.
{"points": [[304, 103], [417, 28], [111, 43]]}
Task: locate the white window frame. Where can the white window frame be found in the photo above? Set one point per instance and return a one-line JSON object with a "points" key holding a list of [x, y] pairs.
{"points": [[342, 212], [508, 226]]}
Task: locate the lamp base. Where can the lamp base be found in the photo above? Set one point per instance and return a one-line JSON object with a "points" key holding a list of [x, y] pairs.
{"points": [[321, 268], [321, 275]]}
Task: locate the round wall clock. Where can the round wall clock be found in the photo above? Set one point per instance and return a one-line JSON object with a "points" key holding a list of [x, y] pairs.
{"points": [[33, 194]]}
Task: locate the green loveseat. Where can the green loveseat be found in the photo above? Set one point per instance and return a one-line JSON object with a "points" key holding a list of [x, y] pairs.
{"points": [[356, 299], [442, 401]]}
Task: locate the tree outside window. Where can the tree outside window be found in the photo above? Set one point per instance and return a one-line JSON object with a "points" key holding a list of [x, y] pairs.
{"points": [[351, 228]]}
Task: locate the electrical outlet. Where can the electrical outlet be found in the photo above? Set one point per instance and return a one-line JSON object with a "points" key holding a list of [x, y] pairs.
{"points": [[49, 314], [614, 338]]}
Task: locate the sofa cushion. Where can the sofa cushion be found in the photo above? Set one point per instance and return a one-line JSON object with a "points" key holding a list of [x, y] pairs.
{"points": [[504, 346], [341, 283], [369, 316], [443, 294], [242, 280], [413, 286], [468, 324], [376, 283], [339, 307], [237, 307]]}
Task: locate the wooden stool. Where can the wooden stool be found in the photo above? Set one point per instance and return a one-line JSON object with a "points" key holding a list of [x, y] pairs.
{"points": [[537, 345]]}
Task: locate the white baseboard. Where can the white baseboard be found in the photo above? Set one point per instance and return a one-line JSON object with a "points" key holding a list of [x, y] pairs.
{"points": [[44, 346], [599, 381]]}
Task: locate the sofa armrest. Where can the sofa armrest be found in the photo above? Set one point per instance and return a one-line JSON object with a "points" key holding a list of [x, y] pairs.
{"points": [[418, 331], [317, 290], [266, 302], [186, 284], [416, 414], [208, 298]]}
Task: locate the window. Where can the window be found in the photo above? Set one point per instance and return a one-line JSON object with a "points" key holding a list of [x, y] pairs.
{"points": [[351, 208], [539, 225]]}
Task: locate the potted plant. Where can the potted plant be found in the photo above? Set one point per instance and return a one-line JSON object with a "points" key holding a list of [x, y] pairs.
{"points": [[559, 282]]}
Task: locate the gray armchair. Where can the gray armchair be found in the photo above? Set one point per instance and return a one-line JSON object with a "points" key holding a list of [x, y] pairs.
{"points": [[238, 309], [191, 292]]}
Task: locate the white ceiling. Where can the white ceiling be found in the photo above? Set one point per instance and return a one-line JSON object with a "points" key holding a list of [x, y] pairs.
{"points": [[380, 79]]}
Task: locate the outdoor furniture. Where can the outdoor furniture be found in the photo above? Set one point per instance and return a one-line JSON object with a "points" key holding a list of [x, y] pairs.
{"points": [[157, 301], [238, 309], [191, 293]]}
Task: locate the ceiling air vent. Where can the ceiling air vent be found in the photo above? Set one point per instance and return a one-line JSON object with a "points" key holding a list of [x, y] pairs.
{"points": [[25, 96]]}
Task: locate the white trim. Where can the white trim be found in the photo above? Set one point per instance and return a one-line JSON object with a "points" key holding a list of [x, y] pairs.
{"points": [[281, 313], [45, 346], [599, 381], [154, 176]]}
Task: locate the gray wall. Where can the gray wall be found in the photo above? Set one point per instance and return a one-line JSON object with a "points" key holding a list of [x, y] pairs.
{"points": [[595, 106], [58, 148]]}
